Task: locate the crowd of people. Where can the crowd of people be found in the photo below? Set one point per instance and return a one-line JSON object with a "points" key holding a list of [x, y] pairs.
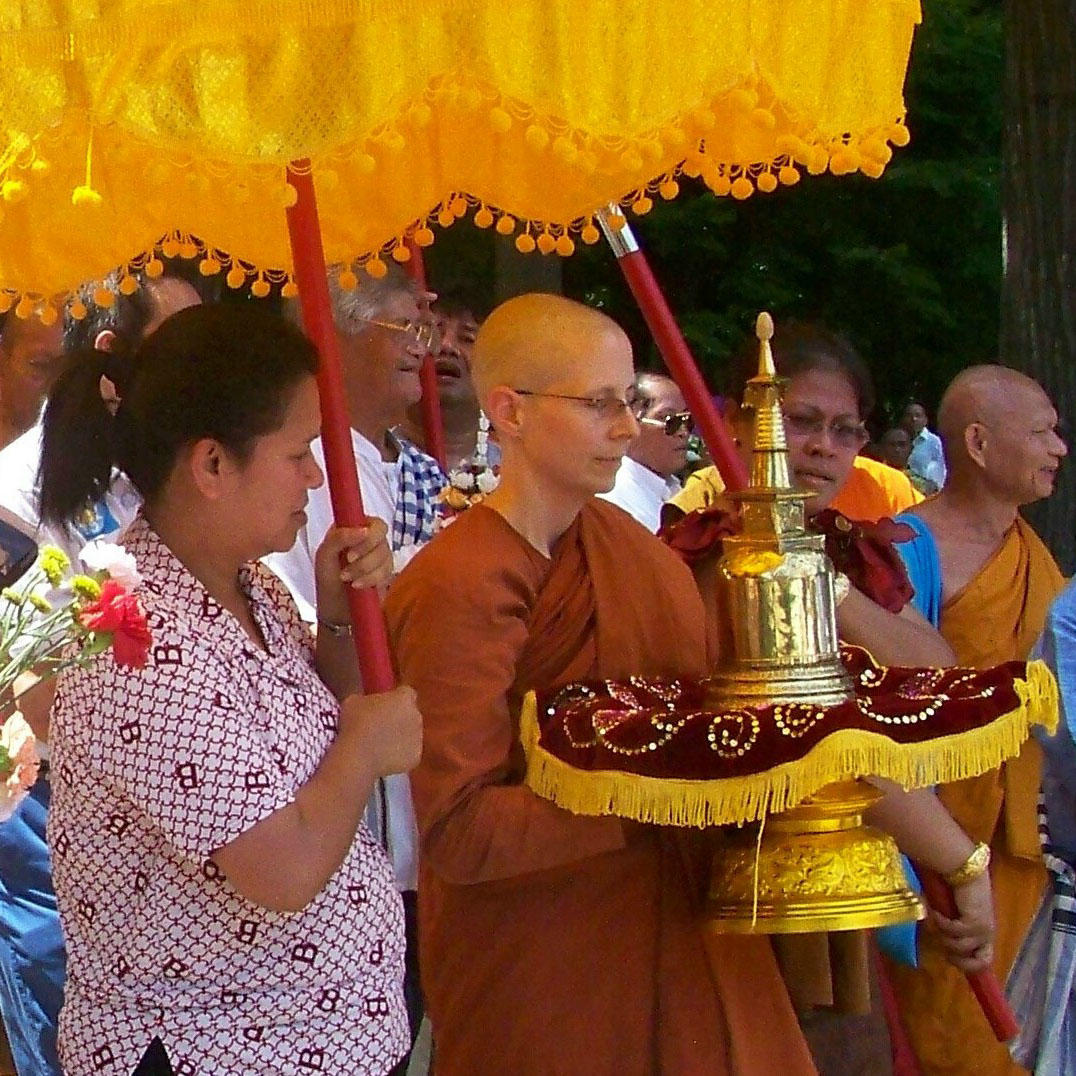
{"points": [[235, 861]]}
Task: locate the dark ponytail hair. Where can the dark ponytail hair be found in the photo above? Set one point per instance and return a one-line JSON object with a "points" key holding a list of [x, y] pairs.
{"points": [[221, 371]]}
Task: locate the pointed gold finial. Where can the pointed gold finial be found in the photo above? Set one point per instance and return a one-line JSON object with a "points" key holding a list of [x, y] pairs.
{"points": [[764, 332]]}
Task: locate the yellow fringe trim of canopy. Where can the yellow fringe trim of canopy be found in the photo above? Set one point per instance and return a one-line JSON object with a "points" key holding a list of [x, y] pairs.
{"points": [[738, 800]]}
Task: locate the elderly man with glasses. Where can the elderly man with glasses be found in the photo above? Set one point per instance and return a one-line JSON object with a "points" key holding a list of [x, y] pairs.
{"points": [[649, 473], [385, 331]]}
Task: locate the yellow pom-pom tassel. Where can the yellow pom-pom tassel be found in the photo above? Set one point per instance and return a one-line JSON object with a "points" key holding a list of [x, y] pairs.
{"points": [[170, 248], [188, 250], [401, 253], [546, 243], [669, 189], [536, 137], [565, 246], [744, 99], [84, 197], [48, 315], [767, 182], [788, 175], [691, 168], [525, 243], [872, 169], [875, 149], [236, 278], [14, 190], [742, 188], [899, 135], [289, 196], [290, 290], [642, 206], [718, 182], [631, 161], [77, 309], [674, 138], [103, 297], [7, 300], [590, 234], [483, 218], [565, 150], [376, 268], [763, 118], [500, 120], [25, 307], [446, 218], [40, 167], [704, 118], [209, 267], [348, 281], [819, 162], [260, 288], [506, 225], [394, 142], [154, 268], [423, 237], [841, 163], [458, 206], [616, 220], [128, 284]]}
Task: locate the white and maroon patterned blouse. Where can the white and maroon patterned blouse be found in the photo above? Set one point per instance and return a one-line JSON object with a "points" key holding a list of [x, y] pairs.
{"points": [[153, 770]]}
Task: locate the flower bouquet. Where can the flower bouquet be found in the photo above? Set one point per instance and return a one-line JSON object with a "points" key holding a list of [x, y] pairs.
{"points": [[55, 619]]}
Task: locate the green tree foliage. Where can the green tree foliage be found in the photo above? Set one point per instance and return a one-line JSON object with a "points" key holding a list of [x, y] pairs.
{"points": [[909, 265]]}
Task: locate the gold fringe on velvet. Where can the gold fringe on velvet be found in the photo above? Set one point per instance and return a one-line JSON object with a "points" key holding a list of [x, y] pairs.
{"points": [[849, 753]]}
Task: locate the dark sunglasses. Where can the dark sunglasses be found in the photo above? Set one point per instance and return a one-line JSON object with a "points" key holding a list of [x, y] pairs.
{"points": [[672, 424]]}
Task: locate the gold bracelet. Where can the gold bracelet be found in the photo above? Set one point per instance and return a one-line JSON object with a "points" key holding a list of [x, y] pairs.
{"points": [[973, 867]]}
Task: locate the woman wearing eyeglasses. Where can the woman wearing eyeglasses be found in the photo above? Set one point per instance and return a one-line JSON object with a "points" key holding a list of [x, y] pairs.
{"points": [[826, 400]]}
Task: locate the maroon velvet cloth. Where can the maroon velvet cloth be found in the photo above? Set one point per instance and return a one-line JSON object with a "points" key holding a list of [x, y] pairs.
{"points": [[610, 725], [863, 551]]}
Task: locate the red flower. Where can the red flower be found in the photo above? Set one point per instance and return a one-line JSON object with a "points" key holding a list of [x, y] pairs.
{"points": [[119, 614]]}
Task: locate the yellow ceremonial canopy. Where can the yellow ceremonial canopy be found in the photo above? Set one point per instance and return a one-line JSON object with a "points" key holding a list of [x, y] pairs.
{"points": [[121, 119]]}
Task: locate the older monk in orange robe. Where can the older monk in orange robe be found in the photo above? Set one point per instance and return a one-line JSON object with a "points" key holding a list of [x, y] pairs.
{"points": [[552, 943], [997, 581]]}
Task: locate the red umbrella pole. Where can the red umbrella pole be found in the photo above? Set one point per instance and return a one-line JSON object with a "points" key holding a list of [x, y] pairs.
{"points": [[370, 635], [675, 352], [432, 424], [984, 984]]}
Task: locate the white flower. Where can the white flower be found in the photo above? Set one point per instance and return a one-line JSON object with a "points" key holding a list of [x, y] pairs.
{"points": [[487, 482], [462, 480], [108, 557]]}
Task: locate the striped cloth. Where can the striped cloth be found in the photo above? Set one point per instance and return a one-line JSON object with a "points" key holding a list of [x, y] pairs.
{"points": [[1040, 985]]}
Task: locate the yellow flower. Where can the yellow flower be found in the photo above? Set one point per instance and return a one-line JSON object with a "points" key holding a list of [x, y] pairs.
{"points": [[86, 586], [42, 605], [54, 562], [13, 596]]}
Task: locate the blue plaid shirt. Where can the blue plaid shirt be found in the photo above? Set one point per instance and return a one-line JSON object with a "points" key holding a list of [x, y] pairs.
{"points": [[420, 482]]}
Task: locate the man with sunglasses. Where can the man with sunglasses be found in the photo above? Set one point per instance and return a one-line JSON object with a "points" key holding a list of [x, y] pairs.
{"points": [[385, 330], [649, 473]]}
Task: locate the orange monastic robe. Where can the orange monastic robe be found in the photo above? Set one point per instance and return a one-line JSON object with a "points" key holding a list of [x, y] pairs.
{"points": [[997, 617], [552, 943]]}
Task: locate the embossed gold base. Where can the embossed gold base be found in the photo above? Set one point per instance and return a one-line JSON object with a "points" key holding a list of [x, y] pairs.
{"points": [[761, 683], [819, 868]]}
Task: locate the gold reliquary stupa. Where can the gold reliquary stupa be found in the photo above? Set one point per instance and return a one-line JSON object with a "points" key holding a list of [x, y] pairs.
{"points": [[816, 867]]}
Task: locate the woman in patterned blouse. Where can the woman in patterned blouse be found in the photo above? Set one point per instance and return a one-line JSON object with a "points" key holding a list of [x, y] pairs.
{"points": [[219, 894]]}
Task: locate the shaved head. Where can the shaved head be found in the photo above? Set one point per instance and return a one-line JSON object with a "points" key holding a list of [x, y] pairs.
{"points": [[537, 340], [991, 395], [1000, 434]]}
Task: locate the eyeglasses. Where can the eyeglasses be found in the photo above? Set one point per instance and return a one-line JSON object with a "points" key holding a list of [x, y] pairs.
{"points": [[604, 407], [672, 424], [425, 334], [845, 434]]}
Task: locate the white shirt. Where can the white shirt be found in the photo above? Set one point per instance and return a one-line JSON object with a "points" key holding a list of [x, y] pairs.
{"points": [[927, 457], [390, 813], [19, 463], [641, 492]]}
